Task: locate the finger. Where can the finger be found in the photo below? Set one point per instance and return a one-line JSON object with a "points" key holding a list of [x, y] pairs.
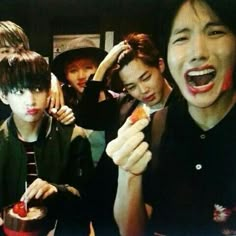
{"points": [[112, 147], [125, 126], [141, 165], [68, 120], [136, 155], [33, 189], [51, 102], [61, 98], [1, 221], [31, 194], [129, 129], [64, 109], [57, 100], [125, 149], [65, 116], [49, 192], [53, 112]]}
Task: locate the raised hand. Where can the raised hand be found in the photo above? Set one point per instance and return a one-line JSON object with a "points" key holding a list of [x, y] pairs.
{"points": [[128, 150], [56, 94], [65, 115]]}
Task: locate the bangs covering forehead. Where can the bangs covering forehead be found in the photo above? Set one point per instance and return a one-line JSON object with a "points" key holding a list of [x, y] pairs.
{"points": [[12, 35], [24, 70]]}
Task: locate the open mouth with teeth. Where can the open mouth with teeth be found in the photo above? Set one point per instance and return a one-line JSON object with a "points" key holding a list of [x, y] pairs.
{"points": [[200, 81]]}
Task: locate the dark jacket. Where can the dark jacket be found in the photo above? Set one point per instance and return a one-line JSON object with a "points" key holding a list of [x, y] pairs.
{"points": [[59, 161]]}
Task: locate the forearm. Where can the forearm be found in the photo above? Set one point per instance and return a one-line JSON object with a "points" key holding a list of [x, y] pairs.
{"points": [[129, 207], [101, 71]]}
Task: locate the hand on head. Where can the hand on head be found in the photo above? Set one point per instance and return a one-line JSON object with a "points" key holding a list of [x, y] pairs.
{"points": [[116, 54]]}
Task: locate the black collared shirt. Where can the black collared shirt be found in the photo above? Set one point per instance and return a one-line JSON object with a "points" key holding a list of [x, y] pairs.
{"points": [[192, 190]]}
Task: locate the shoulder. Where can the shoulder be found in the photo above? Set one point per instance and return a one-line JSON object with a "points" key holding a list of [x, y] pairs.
{"points": [[4, 129], [78, 131]]}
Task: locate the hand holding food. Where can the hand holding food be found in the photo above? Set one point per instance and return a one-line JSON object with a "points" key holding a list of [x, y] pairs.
{"points": [[141, 112], [39, 189], [128, 150]]}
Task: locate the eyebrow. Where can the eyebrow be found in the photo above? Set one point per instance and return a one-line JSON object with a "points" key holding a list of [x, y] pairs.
{"points": [[179, 31], [186, 29], [216, 23], [140, 77]]}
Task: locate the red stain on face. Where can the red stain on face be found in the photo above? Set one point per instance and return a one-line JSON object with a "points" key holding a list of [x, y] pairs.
{"points": [[228, 80]]}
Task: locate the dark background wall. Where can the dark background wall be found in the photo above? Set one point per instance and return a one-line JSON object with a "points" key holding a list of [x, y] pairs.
{"points": [[41, 19]]}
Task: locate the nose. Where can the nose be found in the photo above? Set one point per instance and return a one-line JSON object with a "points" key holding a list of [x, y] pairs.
{"points": [[198, 48], [143, 88], [81, 74], [29, 98]]}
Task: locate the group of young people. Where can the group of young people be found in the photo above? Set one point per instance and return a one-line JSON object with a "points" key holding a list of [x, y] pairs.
{"points": [[172, 174]]}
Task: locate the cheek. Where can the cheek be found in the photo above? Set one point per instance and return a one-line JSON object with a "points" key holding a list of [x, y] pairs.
{"points": [[172, 64], [134, 94], [70, 78], [228, 80]]}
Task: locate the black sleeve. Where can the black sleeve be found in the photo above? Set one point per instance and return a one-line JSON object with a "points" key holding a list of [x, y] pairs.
{"points": [[81, 164], [93, 114], [71, 211]]}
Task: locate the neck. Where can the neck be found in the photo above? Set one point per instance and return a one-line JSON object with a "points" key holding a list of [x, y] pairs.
{"points": [[207, 118], [27, 131], [166, 92]]}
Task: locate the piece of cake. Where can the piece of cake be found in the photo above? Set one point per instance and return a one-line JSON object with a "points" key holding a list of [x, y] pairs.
{"points": [[140, 112], [21, 224]]}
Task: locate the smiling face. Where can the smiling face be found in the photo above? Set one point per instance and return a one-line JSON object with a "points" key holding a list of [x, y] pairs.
{"points": [[78, 71], [201, 54], [144, 83]]}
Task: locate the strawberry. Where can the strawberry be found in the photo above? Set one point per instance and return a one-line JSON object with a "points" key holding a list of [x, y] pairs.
{"points": [[138, 113], [19, 209]]}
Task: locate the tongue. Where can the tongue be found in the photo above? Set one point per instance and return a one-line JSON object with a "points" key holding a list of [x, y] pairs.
{"points": [[201, 80]]}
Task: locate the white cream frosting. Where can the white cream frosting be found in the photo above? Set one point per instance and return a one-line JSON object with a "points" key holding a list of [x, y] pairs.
{"points": [[33, 213]]}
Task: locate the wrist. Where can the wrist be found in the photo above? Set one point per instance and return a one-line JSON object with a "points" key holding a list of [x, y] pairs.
{"points": [[66, 188]]}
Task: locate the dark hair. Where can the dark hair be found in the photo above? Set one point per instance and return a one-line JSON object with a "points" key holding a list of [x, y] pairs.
{"points": [[24, 69], [224, 9], [12, 35], [142, 47]]}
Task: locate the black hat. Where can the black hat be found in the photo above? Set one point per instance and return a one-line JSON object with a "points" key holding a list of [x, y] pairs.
{"points": [[76, 48]]}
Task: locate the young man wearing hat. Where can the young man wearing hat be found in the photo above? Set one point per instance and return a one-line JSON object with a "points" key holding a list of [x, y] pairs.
{"points": [[73, 68]]}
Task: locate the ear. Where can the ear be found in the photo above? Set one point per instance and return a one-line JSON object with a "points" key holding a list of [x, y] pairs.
{"points": [[4, 99], [161, 65]]}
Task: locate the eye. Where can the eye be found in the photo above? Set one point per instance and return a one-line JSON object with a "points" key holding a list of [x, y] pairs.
{"points": [[37, 90], [17, 91], [216, 33], [217, 30], [180, 39], [73, 70], [146, 78], [130, 87], [4, 51], [88, 67]]}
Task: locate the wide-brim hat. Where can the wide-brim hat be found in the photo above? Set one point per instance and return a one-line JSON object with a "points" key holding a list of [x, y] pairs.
{"points": [[78, 48]]}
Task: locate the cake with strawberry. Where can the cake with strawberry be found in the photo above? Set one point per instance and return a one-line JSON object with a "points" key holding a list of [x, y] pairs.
{"points": [[20, 220]]}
